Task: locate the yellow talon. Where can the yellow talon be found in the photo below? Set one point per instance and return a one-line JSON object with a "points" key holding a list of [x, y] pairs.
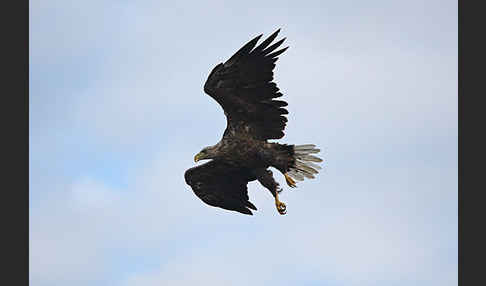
{"points": [[290, 181], [281, 207]]}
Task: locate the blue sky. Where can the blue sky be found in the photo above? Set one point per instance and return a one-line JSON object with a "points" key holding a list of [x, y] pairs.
{"points": [[117, 113]]}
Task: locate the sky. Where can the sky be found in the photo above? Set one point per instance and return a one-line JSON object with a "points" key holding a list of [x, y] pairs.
{"points": [[117, 112]]}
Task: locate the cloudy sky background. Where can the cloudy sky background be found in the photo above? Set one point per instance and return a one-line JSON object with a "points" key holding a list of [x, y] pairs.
{"points": [[117, 112]]}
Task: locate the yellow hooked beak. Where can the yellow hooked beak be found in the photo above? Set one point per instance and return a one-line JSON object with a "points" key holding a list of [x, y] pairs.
{"points": [[197, 157]]}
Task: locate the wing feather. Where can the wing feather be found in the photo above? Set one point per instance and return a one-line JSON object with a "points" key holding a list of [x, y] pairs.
{"points": [[243, 87], [219, 184]]}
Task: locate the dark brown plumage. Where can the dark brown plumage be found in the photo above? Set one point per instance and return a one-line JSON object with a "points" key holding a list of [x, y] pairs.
{"points": [[243, 87]]}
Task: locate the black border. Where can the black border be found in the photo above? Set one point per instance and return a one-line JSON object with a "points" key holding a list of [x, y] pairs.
{"points": [[470, 121], [15, 131]]}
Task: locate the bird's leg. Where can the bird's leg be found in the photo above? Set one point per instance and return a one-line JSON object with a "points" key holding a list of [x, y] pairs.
{"points": [[281, 207], [265, 177], [290, 181]]}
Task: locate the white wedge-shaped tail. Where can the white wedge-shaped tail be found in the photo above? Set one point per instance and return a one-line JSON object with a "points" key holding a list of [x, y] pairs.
{"points": [[305, 164]]}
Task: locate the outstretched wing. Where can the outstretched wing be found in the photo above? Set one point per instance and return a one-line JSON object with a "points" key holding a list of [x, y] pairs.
{"points": [[243, 87], [219, 184]]}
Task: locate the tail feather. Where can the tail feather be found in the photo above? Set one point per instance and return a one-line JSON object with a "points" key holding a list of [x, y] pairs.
{"points": [[307, 157], [306, 151], [313, 165], [304, 147], [304, 166], [295, 175]]}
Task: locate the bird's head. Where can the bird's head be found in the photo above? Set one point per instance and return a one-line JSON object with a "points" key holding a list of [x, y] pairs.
{"points": [[206, 153]]}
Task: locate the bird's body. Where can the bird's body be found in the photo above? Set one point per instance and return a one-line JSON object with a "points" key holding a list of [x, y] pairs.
{"points": [[243, 87], [250, 153]]}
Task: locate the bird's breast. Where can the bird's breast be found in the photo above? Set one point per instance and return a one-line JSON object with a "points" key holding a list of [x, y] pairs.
{"points": [[244, 152]]}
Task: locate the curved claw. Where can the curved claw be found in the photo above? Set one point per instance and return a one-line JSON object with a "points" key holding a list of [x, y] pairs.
{"points": [[281, 207]]}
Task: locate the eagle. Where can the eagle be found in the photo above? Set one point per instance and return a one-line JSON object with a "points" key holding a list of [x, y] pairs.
{"points": [[243, 86]]}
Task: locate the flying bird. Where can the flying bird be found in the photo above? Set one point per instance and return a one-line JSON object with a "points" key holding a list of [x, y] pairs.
{"points": [[244, 88]]}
